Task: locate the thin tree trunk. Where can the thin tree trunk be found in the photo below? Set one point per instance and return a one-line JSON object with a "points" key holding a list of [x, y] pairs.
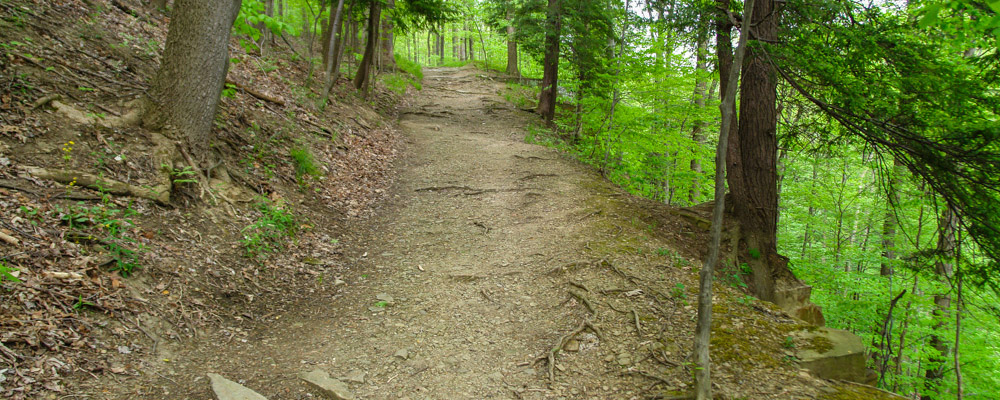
{"points": [[958, 334], [703, 329], [362, 81], [333, 67], [944, 269], [701, 74], [326, 43], [889, 224], [454, 41]]}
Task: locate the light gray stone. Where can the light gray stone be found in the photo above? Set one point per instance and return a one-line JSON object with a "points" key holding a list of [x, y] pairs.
{"points": [[226, 389], [327, 386], [356, 376]]}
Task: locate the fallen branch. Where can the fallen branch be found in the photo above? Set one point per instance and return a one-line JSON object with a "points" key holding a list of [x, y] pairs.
{"points": [[158, 194], [13, 241], [260, 95]]}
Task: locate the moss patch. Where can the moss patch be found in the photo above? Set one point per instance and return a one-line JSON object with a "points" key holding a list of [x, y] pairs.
{"points": [[820, 344]]}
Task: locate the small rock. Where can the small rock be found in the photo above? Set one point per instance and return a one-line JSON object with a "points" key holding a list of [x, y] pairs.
{"points": [[338, 282], [375, 309], [402, 354], [609, 358], [329, 387], [356, 376], [226, 389], [572, 345], [385, 297]]}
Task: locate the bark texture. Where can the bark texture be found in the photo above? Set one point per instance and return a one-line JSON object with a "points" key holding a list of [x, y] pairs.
{"points": [[752, 169], [387, 62], [944, 269], [185, 91], [550, 65], [362, 80], [511, 44]]}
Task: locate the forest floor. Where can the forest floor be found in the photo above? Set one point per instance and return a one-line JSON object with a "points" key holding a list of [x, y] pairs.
{"points": [[492, 255]]}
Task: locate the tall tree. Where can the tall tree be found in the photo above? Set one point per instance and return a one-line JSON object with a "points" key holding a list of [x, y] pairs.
{"points": [[336, 36], [700, 95], [387, 61], [511, 43], [752, 169], [550, 65], [944, 270], [362, 80]]}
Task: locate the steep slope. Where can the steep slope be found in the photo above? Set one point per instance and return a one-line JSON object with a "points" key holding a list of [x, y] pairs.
{"points": [[67, 310]]}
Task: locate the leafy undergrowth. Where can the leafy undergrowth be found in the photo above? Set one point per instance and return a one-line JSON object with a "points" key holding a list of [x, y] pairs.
{"points": [[95, 283]]}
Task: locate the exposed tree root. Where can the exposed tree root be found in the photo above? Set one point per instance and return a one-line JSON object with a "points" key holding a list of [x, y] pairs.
{"points": [[550, 356], [130, 119], [583, 299], [159, 193]]}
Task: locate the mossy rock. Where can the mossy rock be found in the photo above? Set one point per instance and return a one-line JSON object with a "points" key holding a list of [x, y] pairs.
{"points": [[832, 354]]}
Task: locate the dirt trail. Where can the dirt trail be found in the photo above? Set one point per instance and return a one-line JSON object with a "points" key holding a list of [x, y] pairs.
{"points": [[490, 252]]}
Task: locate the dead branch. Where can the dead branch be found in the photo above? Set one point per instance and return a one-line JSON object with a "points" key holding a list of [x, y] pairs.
{"points": [[13, 241], [258, 94]]}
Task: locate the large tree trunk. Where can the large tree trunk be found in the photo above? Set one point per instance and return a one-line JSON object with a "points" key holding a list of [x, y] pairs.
{"points": [[944, 269], [550, 65], [752, 171], [388, 58], [185, 92], [362, 81]]}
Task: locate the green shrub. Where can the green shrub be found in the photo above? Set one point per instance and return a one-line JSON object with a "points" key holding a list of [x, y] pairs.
{"points": [[305, 163], [269, 232]]}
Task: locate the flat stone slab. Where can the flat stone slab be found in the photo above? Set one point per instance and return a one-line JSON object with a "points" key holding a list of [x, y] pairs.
{"points": [[327, 386], [833, 354], [226, 389]]}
